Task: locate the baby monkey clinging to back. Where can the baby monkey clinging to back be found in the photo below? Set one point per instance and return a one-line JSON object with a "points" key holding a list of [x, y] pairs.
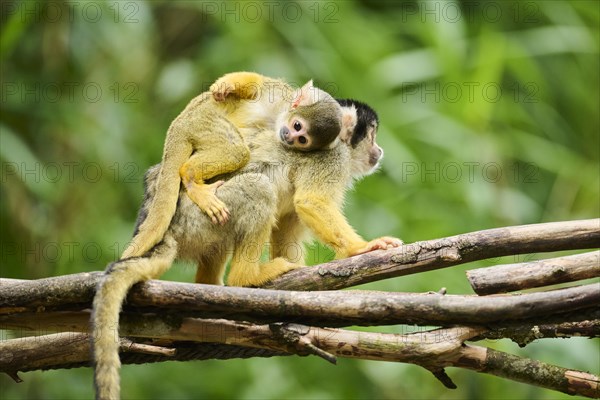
{"points": [[209, 128]]}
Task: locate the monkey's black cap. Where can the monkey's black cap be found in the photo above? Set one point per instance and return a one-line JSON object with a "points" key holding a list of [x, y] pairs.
{"points": [[365, 116]]}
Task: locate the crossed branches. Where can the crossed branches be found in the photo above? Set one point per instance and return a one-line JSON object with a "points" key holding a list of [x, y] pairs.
{"points": [[176, 321]]}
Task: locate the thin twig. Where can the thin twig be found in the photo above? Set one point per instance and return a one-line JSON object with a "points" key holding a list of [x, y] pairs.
{"points": [[129, 345]]}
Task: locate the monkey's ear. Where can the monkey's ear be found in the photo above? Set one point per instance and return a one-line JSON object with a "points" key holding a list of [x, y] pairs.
{"points": [[349, 121], [304, 95]]}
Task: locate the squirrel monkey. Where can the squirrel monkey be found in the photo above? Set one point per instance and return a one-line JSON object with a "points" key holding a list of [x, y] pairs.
{"points": [[275, 184], [305, 119]]}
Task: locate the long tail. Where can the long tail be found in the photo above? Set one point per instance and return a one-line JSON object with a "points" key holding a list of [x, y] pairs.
{"points": [[163, 205], [120, 277]]}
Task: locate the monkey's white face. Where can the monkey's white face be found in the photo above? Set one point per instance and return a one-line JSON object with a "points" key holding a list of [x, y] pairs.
{"points": [[367, 154]]}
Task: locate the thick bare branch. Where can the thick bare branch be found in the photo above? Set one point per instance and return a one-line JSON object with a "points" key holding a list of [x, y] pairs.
{"points": [[584, 323], [441, 253], [36, 352], [511, 277], [421, 348], [48, 292], [73, 351], [340, 308], [433, 350]]}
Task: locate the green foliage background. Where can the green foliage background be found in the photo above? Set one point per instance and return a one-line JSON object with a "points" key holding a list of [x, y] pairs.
{"points": [[489, 117]]}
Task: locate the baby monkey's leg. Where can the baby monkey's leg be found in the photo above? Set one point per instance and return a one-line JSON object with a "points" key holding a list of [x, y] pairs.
{"points": [[227, 153], [204, 195]]}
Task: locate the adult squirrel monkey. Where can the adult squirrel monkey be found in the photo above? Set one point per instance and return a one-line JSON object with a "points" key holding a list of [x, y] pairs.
{"points": [[269, 198], [209, 127]]}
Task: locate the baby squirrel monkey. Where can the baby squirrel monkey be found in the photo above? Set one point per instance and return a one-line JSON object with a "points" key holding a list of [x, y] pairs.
{"points": [[277, 195], [305, 119]]}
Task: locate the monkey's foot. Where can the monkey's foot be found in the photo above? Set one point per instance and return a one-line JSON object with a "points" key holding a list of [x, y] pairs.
{"points": [[267, 272], [205, 197], [382, 243], [272, 269]]}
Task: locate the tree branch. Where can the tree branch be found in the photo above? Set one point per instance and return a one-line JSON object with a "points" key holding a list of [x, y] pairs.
{"points": [[584, 323], [433, 350], [341, 308], [73, 351], [421, 348], [482, 359], [441, 253], [510, 277], [527, 332]]}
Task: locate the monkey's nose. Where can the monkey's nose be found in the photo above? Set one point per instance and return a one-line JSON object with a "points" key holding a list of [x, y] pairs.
{"points": [[375, 155], [284, 133]]}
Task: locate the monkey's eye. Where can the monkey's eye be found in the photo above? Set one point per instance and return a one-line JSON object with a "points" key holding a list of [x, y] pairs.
{"points": [[298, 127], [301, 139]]}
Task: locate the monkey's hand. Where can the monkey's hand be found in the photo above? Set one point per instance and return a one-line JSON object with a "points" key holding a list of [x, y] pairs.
{"points": [[243, 85], [382, 243], [205, 197]]}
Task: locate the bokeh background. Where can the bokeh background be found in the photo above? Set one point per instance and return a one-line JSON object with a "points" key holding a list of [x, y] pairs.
{"points": [[489, 117]]}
